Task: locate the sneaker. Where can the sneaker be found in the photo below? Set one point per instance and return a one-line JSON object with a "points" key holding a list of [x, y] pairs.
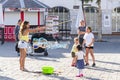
{"points": [[78, 75], [81, 75], [86, 64], [93, 65], [73, 65]]}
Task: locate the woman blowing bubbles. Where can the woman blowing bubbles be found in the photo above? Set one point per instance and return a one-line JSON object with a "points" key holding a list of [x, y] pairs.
{"points": [[24, 39]]}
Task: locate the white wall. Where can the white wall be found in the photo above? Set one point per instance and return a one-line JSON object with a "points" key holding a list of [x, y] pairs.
{"points": [[107, 4], [42, 18], [11, 18], [32, 17], [66, 3]]}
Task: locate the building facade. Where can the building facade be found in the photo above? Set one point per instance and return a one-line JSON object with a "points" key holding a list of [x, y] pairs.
{"points": [[110, 14], [69, 11]]}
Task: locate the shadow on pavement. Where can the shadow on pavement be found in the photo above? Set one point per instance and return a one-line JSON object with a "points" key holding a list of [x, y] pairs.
{"points": [[89, 78], [103, 69], [43, 58], [5, 78], [57, 77], [53, 55], [113, 63], [36, 72], [54, 75]]}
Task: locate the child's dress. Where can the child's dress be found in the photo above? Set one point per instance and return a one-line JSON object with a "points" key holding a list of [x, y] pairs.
{"points": [[74, 50], [80, 60]]}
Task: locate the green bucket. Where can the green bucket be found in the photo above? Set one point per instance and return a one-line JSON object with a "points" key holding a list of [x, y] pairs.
{"points": [[47, 70]]}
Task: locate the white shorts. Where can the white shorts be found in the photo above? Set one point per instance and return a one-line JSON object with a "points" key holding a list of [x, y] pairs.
{"points": [[22, 44]]}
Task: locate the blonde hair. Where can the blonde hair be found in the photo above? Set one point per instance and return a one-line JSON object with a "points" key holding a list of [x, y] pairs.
{"points": [[23, 26], [76, 39]]}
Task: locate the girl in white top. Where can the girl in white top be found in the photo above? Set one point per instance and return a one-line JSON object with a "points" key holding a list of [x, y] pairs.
{"points": [[79, 60], [89, 45]]}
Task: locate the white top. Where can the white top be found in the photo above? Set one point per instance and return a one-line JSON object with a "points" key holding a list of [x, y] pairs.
{"points": [[80, 55], [88, 37]]}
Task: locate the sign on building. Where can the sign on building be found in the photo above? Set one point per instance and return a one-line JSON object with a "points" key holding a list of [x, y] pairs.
{"points": [[106, 22], [52, 23]]}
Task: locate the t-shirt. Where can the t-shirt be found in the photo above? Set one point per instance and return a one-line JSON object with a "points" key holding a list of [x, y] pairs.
{"points": [[80, 55], [17, 28], [82, 28], [88, 37], [74, 48]]}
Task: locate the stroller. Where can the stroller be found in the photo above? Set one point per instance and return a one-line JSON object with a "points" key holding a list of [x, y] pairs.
{"points": [[39, 47]]}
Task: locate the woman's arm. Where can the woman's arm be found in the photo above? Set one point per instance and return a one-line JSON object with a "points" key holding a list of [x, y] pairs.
{"points": [[36, 29], [80, 32]]}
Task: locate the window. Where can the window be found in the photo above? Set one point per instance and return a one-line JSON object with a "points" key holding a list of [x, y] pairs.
{"points": [[76, 7], [90, 9], [117, 10]]}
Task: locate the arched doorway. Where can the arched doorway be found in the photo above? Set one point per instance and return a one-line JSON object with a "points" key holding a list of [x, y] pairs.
{"points": [[116, 20], [91, 14], [64, 19]]}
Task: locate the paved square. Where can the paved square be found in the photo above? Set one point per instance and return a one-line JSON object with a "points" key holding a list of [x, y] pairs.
{"points": [[107, 64]]}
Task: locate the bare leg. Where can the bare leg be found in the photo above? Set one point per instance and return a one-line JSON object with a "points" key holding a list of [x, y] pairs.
{"points": [[21, 59], [85, 59], [92, 54], [87, 53], [24, 56], [73, 62]]}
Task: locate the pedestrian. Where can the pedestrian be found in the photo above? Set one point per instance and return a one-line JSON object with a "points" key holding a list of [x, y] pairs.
{"points": [[17, 28], [89, 45], [74, 50], [79, 61], [23, 41], [81, 31]]}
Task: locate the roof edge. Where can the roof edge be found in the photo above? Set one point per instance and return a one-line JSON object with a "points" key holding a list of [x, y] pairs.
{"points": [[42, 4]]}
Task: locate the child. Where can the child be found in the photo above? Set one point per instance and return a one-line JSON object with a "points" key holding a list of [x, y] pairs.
{"points": [[89, 43], [79, 60], [74, 50]]}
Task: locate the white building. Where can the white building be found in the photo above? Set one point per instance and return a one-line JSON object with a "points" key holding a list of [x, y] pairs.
{"points": [[110, 14], [70, 13]]}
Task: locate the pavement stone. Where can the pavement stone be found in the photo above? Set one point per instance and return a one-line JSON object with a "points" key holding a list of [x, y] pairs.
{"points": [[107, 64]]}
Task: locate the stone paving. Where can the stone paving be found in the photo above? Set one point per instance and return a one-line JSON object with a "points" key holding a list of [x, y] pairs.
{"points": [[107, 64]]}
